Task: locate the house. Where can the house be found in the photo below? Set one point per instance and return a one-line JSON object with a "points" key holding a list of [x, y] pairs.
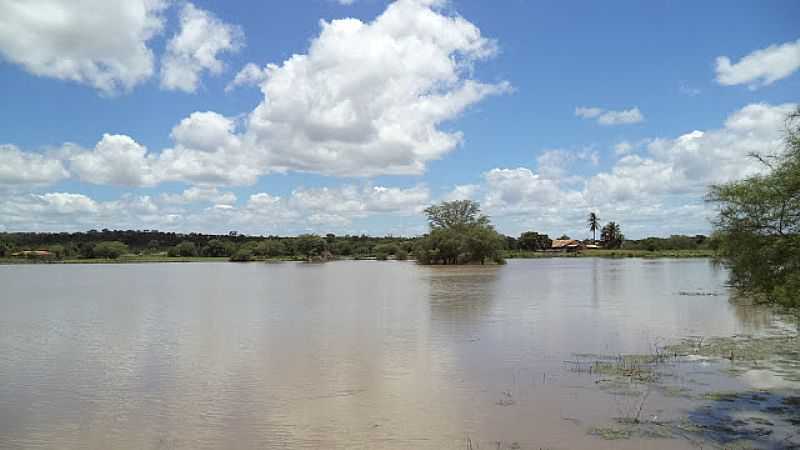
{"points": [[567, 245], [32, 254]]}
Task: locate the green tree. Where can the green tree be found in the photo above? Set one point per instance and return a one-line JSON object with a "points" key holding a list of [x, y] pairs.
{"points": [[310, 245], [217, 248], [533, 241], [459, 234], [185, 248], [243, 254], [270, 248], [758, 225], [109, 249], [57, 250], [594, 224], [456, 214], [612, 236], [5, 248]]}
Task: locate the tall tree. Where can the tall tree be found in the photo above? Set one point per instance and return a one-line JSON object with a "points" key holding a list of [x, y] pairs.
{"points": [[611, 234], [455, 214], [594, 224], [459, 234], [758, 225]]}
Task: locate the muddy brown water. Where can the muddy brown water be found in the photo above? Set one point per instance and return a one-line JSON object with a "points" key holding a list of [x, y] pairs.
{"points": [[365, 355]]}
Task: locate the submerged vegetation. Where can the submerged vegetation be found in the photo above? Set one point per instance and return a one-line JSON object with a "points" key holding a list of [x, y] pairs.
{"points": [[758, 225]]}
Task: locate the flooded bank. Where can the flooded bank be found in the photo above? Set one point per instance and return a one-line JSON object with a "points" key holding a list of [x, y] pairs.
{"points": [[551, 353]]}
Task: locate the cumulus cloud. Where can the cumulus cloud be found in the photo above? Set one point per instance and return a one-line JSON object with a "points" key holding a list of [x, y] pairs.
{"points": [[195, 48], [463, 192], [200, 194], [622, 148], [99, 43], [369, 98], [117, 160], [207, 209], [250, 75], [761, 67], [662, 187], [19, 168], [610, 117]]}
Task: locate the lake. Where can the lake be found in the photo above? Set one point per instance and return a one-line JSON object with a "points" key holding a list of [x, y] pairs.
{"points": [[350, 354]]}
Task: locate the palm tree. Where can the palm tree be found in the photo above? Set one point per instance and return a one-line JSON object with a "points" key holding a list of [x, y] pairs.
{"points": [[594, 225], [611, 234]]}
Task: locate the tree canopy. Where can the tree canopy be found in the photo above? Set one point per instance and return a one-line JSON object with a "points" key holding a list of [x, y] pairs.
{"points": [[758, 224], [459, 234]]}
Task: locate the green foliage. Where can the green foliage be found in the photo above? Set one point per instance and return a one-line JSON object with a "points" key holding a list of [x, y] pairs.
{"points": [[217, 248], [58, 251], [456, 214], [758, 225], [270, 248], [459, 234], [109, 249], [310, 245], [6, 248], [244, 254], [611, 235], [674, 242], [533, 241], [185, 248], [401, 255], [594, 224]]}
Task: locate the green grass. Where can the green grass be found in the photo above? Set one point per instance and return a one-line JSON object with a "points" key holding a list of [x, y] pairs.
{"points": [[621, 253]]}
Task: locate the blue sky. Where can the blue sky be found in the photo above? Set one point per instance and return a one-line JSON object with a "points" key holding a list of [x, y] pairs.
{"points": [[127, 115]]}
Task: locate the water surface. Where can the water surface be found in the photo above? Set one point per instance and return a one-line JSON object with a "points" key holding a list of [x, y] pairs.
{"points": [[338, 355]]}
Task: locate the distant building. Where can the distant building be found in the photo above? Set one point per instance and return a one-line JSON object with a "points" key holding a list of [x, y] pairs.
{"points": [[567, 245], [32, 253]]}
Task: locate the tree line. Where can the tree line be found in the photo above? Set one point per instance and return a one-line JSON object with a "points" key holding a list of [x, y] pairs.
{"points": [[451, 239]]}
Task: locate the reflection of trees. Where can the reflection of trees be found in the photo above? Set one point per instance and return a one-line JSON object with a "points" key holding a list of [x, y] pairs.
{"points": [[461, 293], [752, 316]]}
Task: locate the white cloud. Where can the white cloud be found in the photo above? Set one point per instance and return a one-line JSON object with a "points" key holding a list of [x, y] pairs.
{"points": [[100, 43], [687, 90], [587, 112], [761, 67], [195, 48], [250, 75], [207, 150], [610, 117], [345, 2], [661, 190], [463, 192], [200, 194], [622, 148], [116, 159], [556, 163], [25, 168], [368, 98]]}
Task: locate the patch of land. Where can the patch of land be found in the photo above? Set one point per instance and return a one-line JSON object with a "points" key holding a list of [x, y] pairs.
{"points": [[608, 253]]}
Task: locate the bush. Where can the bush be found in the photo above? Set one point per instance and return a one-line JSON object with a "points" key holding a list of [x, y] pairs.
{"points": [[109, 249], [185, 248], [270, 248], [242, 255], [217, 248], [401, 255]]}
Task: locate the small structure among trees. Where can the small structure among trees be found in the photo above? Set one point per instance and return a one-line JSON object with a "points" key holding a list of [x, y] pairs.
{"points": [[459, 234]]}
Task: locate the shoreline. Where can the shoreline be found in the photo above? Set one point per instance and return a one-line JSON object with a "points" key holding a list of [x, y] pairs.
{"points": [[154, 259]]}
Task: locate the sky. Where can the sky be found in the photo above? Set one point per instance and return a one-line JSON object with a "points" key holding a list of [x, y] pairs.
{"points": [[352, 116]]}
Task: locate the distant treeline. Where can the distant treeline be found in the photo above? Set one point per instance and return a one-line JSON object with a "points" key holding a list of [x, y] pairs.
{"points": [[114, 243]]}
